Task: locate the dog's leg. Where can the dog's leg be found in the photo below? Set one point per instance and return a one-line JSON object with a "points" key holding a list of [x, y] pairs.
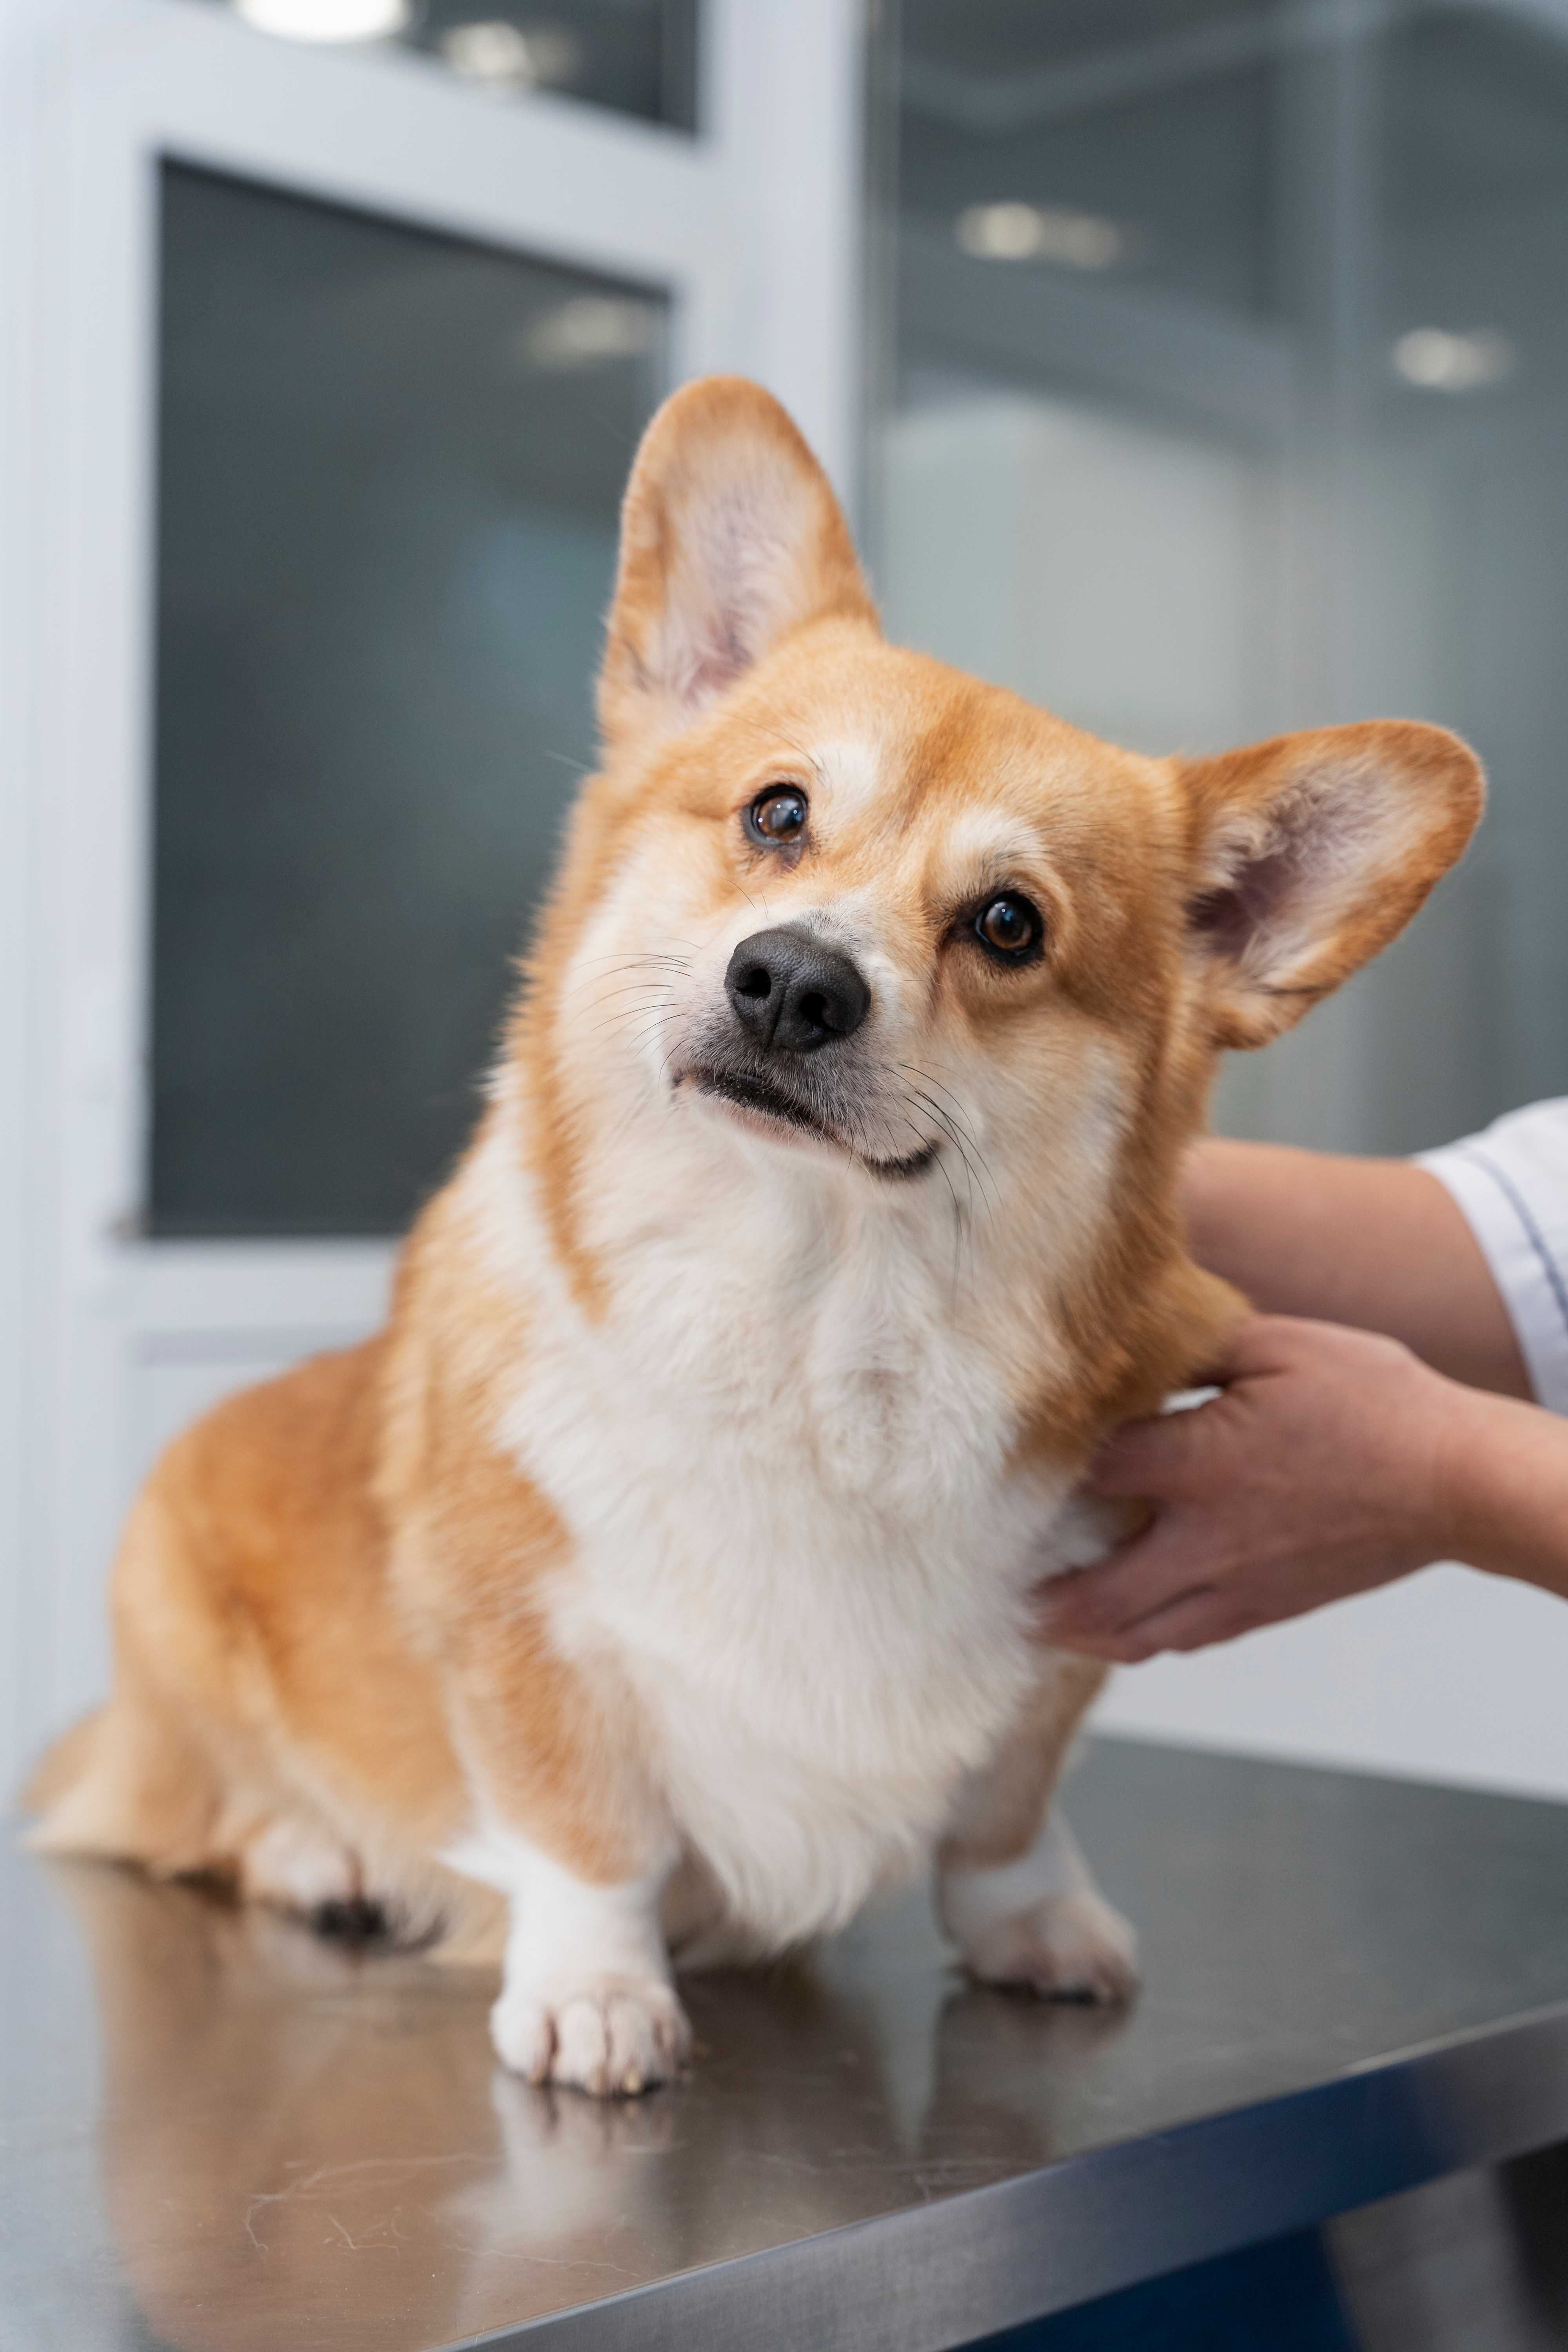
{"points": [[569, 1833], [1014, 1890], [587, 1994], [288, 1858]]}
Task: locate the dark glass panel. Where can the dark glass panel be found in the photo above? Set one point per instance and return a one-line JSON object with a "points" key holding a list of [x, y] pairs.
{"points": [[390, 465]]}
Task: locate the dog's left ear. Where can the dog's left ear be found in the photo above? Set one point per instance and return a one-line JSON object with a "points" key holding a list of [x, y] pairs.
{"points": [[1309, 854], [730, 539]]}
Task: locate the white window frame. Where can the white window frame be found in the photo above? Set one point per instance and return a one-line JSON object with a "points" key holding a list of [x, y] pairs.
{"points": [[754, 229]]}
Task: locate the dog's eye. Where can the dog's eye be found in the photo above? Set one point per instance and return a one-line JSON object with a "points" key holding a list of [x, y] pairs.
{"points": [[1008, 927], [778, 815]]}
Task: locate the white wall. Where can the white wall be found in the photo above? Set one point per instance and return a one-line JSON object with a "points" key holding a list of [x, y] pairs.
{"points": [[1125, 577], [22, 1159], [1449, 1676]]}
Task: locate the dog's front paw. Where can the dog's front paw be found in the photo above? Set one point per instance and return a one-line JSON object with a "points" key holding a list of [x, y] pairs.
{"points": [[1070, 1947], [610, 2035]]}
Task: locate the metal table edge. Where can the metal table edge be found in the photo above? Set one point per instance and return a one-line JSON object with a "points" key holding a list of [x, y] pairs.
{"points": [[933, 2277]]}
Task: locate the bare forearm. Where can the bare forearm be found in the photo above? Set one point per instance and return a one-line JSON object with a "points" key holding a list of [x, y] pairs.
{"points": [[1506, 1481], [1375, 1243]]}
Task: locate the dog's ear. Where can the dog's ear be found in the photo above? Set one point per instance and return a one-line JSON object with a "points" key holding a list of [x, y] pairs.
{"points": [[731, 538], [1309, 854]]}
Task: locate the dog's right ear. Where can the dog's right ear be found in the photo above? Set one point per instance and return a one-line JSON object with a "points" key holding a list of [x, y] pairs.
{"points": [[730, 539]]}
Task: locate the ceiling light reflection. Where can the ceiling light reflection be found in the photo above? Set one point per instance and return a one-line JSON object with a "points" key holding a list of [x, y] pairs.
{"points": [[1020, 231], [509, 56], [593, 328], [327, 20], [1435, 358]]}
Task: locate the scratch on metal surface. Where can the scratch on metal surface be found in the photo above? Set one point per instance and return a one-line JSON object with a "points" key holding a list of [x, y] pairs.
{"points": [[589, 2265], [313, 2183]]}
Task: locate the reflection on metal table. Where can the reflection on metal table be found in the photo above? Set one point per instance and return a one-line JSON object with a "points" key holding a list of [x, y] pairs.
{"points": [[216, 2132]]}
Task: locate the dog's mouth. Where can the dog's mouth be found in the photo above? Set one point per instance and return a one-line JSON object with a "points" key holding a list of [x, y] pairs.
{"points": [[769, 1103]]}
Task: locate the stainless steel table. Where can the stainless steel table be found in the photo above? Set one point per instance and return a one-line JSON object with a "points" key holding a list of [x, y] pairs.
{"points": [[217, 2132]]}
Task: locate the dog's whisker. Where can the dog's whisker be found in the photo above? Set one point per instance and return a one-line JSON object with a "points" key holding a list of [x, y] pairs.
{"points": [[967, 1223], [613, 984], [963, 1137], [929, 1078], [944, 1121], [661, 966], [641, 991], [616, 1021], [772, 733], [654, 1029], [643, 955], [909, 1120], [636, 988], [964, 1224]]}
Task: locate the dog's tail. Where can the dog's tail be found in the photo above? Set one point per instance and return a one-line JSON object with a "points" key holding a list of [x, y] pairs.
{"points": [[122, 1783], [66, 1762]]}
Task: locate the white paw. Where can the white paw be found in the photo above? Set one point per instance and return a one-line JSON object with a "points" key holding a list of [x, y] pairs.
{"points": [[611, 2035], [1068, 1947]]}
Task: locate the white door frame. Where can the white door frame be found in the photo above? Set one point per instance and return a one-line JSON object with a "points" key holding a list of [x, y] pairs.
{"points": [[753, 228]]}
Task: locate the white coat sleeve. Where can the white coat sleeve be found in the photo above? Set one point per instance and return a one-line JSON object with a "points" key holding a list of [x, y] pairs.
{"points": [[1512, 1183]]}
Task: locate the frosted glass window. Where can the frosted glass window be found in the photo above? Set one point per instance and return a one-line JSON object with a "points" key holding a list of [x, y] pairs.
{"points": [[390, 465]]}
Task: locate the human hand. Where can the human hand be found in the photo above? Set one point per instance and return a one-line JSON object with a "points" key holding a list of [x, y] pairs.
{"points": [[1320, 1471]]}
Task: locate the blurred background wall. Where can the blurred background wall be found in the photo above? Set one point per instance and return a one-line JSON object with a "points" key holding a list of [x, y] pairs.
{"points": [[1194, 366]]}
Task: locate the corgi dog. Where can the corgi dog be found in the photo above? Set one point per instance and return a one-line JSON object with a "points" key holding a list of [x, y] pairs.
{"points": [[656, 1584]]}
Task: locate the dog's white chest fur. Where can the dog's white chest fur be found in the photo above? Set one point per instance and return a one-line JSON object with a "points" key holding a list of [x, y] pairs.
{"points": [[796, 1536]]}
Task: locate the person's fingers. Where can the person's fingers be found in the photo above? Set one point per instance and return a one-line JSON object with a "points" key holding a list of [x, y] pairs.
{"points": [[1192, 1622], [1154, 1457], [1161, 1454], [1144, 1575], [1261, 1344]]}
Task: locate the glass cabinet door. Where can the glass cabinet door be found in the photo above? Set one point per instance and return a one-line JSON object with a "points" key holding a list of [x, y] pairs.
{"points": [[1239, 337], [390, 465], [336, 356]]}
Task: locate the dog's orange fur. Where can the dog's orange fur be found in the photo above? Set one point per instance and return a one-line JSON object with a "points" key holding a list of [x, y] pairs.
{"points": [[332, 1609]]}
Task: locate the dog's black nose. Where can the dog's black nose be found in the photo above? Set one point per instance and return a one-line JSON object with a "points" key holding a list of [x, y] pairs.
{"points": [[791, 995]]}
